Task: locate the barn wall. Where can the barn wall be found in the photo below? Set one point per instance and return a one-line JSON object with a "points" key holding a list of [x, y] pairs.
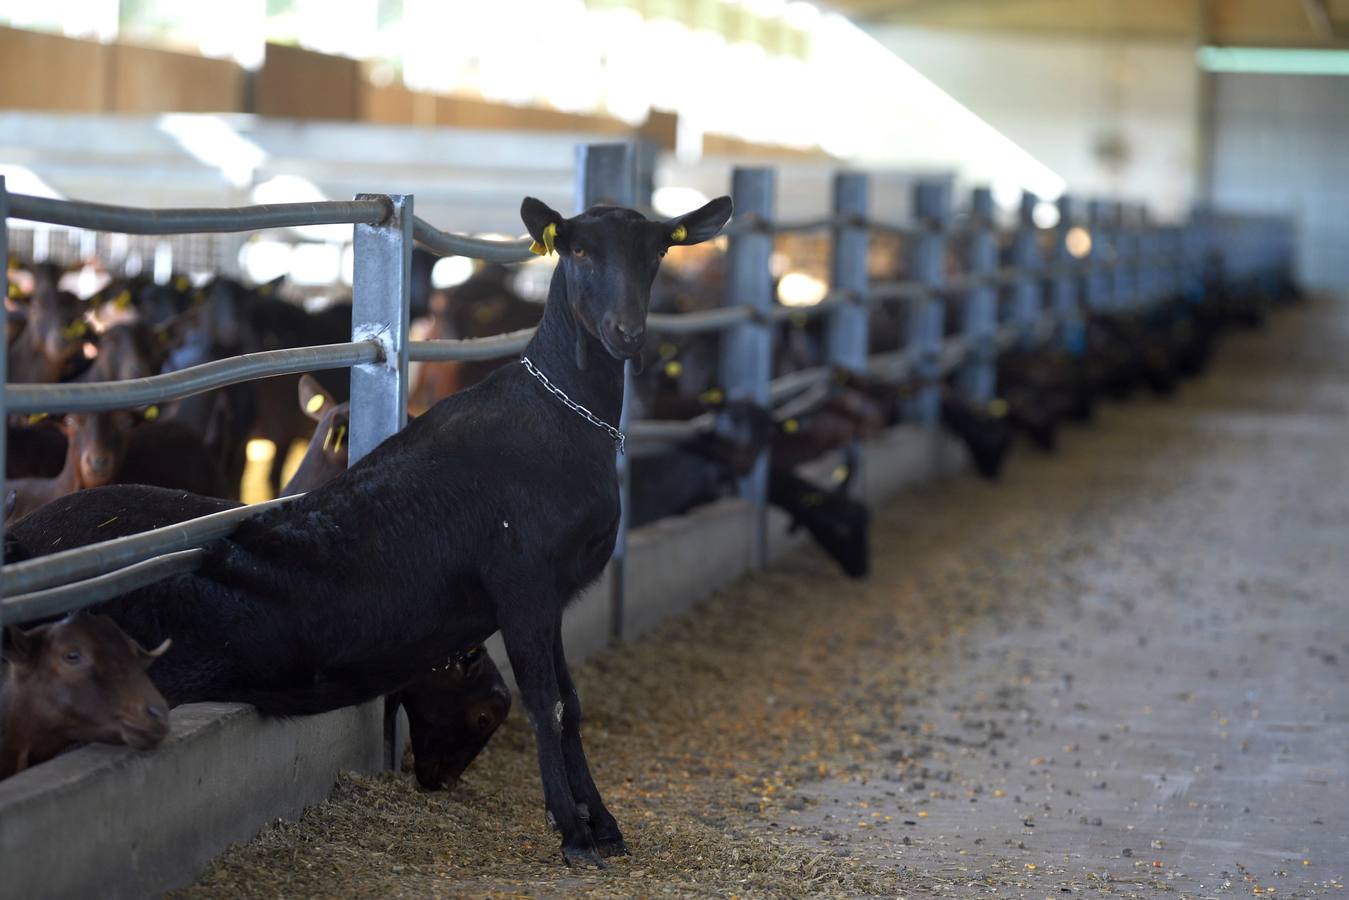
{"points": [[53, 73], [149, 80], [1281, 145], [46, 72], [302, 84]]}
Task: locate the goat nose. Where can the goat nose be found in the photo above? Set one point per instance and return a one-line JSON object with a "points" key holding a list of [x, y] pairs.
{"points": [[631, 335]]}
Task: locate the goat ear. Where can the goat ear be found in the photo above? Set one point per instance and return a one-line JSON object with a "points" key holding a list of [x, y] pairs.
{"points": [[172, 332], [700, 225], [843, 476], [22, 647], [271, 287], [537, 216], [314, 400]]}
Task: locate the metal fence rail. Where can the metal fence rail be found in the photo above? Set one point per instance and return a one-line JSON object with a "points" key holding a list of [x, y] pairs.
{"points": [[1128, 269], [130, 220], [100, 396]]}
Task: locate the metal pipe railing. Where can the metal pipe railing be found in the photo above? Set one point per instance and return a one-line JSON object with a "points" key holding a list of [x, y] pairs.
{"points": [[470, 349], [446, 244], [134, 220], [699, 322], [98, 396], [98, 559], [90, 574], [54, 601]]}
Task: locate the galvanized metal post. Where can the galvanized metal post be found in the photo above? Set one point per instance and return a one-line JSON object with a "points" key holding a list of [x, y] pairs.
{"points": [[381, 290], [380, 295], [1128, 281], [1067, 283], [846, 338], [1026, 302], [932, 209], [1098, 280], [607, 173], [979, 313], [846, 329], [746, 363]]}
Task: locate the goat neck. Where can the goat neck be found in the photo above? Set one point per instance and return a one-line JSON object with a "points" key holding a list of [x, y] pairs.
{"points": [[562, 345], [23, 726]]}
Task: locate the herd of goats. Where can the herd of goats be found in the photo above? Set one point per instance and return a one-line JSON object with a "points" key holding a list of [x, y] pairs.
{"points": [[490, 511]]}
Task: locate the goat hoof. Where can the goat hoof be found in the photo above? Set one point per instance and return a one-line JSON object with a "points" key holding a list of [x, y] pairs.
{"points": [[612, 846], [585, 855]]}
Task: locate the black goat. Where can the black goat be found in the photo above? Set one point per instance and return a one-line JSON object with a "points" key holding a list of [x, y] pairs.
{"points": [[453, 711], [491, 511], [986, 433], [839, 524]]}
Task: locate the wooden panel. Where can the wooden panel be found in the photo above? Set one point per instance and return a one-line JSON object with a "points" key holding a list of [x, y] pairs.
{"points": [[48, 72], [465, 112], [146, 80], [723, 145], [396, 105], [661, 128], [301, 84]]}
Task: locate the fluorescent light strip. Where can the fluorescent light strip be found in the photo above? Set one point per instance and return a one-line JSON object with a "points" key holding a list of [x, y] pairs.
{"points": [[1273, 60]]}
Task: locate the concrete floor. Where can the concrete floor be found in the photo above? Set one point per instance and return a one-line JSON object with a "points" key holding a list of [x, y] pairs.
{"points": [[1122, 671], [1173, 711]]}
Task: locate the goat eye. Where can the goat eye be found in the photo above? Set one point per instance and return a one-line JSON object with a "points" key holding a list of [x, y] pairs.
{"points": [[578, 253], [660, 254], [72, 656]]}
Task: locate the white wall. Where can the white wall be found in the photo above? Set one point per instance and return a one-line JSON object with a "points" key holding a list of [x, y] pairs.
{"points": [[1056, 96], [1281, 145]]}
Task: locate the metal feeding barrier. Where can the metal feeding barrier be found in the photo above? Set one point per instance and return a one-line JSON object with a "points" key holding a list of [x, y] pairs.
{"points": [[1041, 295]]}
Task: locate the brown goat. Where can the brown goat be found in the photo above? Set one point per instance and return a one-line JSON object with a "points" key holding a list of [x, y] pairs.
{"points": [[81, 679], [23, 495]]}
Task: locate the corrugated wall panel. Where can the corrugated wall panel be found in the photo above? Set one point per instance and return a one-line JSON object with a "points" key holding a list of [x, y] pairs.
{"points": [[1281, 144]]}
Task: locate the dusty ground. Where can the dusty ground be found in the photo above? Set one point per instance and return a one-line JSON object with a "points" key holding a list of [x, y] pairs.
{"points": [[1123, 671]]}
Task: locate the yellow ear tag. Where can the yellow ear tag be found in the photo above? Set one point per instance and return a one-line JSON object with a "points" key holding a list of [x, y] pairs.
{"points": [[315, 404], [712, 396], [791, 426], [122, 300], [36, 417], [151, 413], [182, 283], [549, 235], [674, 368], [679, 234], [74, 330], [841, 473], [341, 433], [14, 292], [997, 407]]}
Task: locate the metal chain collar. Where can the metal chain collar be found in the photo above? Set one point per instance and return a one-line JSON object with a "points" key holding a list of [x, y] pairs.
{"points": [[619, 437]]}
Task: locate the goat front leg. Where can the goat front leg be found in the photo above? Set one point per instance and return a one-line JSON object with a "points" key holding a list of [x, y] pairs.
{"points": [[529, 644], [603, 826]]}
